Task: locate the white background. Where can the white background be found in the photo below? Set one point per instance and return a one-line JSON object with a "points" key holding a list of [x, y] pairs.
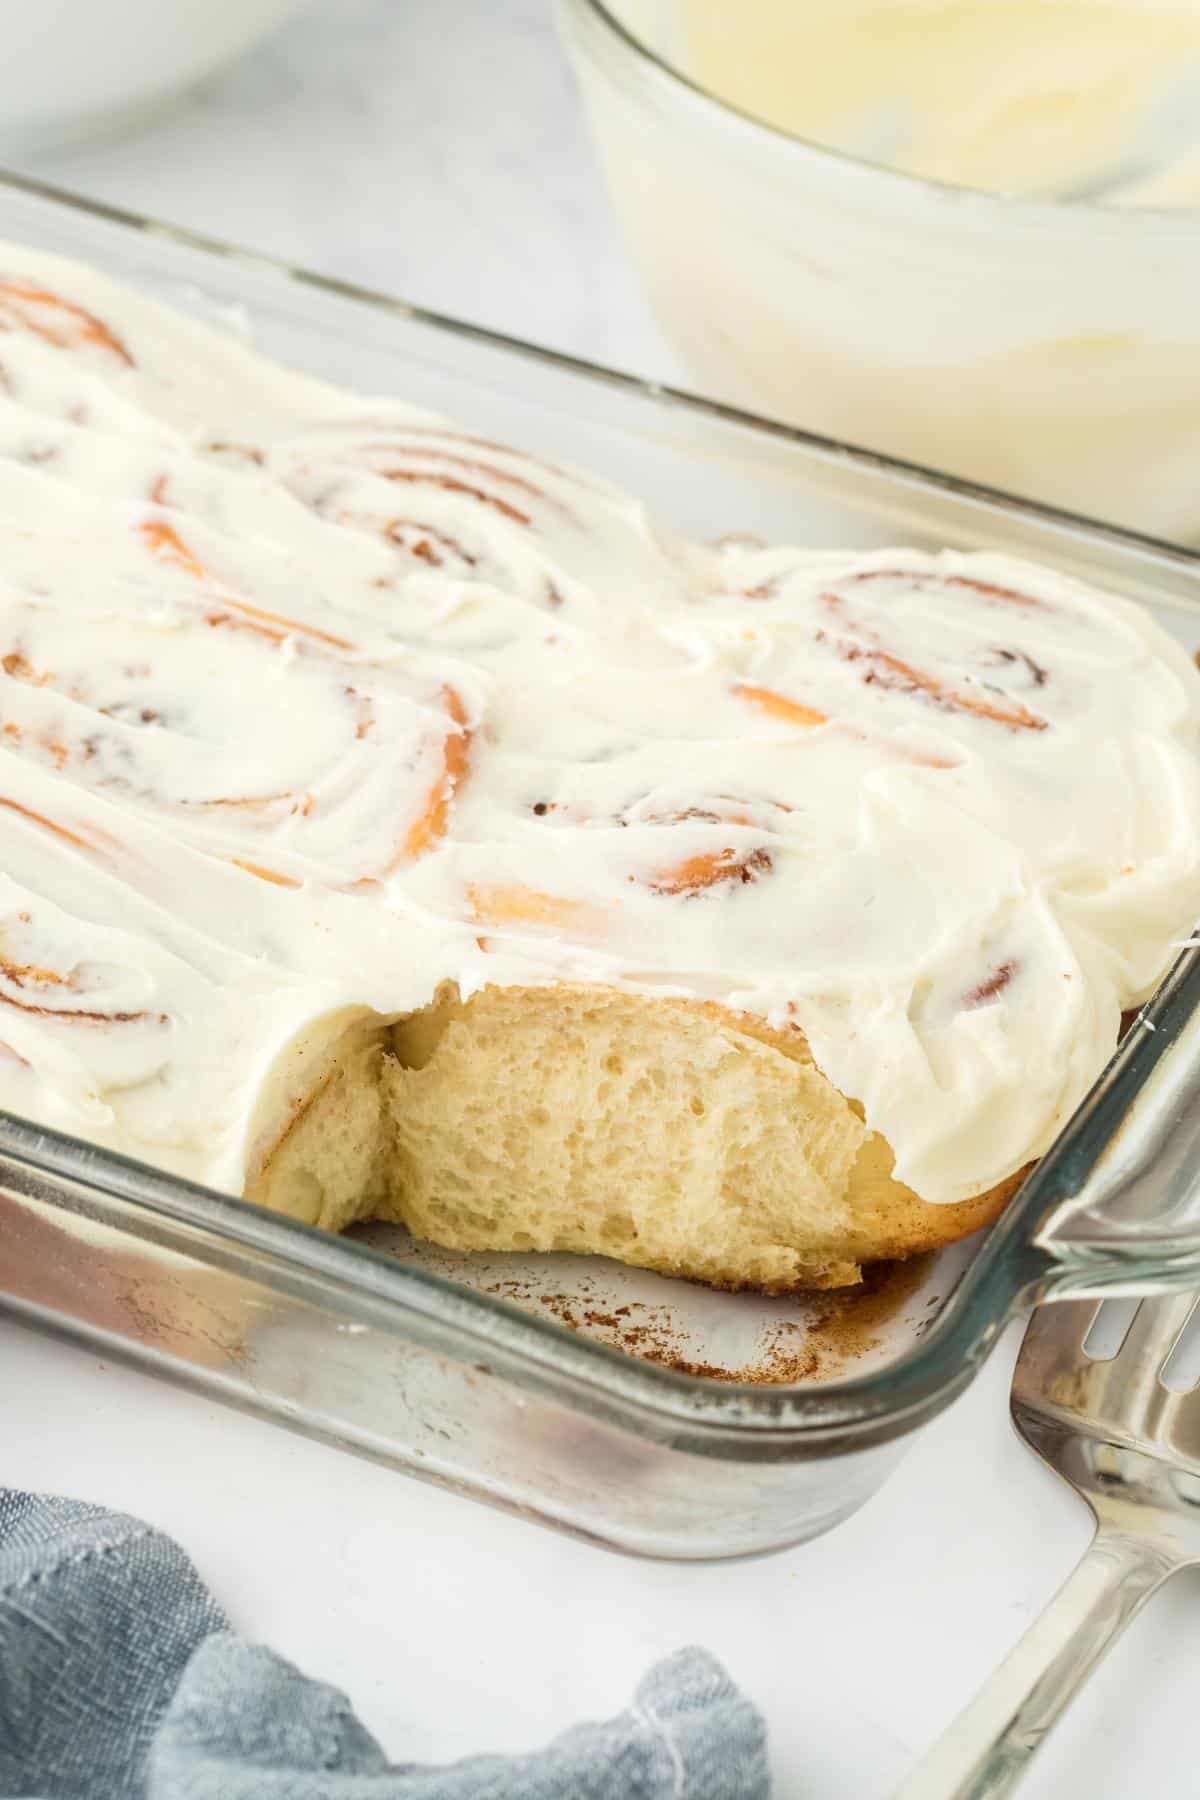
{"points": [[435, 148]]}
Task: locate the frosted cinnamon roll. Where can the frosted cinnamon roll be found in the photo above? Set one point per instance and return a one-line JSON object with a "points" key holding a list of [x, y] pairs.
{"points": [[394, 824]]}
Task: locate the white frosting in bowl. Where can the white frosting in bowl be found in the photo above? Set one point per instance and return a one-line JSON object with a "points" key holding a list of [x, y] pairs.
{"points": [[1093, 100], [309, 703]]}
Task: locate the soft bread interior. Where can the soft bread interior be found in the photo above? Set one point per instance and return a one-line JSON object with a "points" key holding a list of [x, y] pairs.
{"points": [[667, 1133], [329, 1164], [655, 1132]]}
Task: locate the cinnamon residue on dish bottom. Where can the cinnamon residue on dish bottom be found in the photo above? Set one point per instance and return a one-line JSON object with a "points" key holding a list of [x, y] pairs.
{"points": [[831, 1332]]}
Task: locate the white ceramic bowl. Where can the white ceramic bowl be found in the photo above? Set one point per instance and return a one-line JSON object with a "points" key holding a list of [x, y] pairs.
{"points": [[1051, 349], [72, 68]]}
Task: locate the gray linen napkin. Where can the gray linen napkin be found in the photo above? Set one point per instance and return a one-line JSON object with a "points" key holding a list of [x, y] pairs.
{"points": [[120, 1680]]}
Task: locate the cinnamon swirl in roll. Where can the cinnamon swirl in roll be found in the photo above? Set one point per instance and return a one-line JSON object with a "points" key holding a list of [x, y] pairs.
{"points": [[394, 824]]}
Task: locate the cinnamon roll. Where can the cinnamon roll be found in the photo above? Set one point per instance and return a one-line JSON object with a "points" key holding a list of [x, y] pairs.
{"points": [[395, 824]]}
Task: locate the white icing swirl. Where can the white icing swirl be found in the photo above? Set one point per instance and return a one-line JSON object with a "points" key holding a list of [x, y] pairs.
{"points": [[309, 703]]}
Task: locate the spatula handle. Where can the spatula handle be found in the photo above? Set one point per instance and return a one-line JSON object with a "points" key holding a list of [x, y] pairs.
{"points": [[986, 1750]]}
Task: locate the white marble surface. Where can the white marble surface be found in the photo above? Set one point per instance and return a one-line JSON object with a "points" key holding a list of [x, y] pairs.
{"points": [[433, 148], [436, 150]]}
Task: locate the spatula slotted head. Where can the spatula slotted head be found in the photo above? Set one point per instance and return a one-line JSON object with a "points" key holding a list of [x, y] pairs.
{"points": [[1106, 1393]]}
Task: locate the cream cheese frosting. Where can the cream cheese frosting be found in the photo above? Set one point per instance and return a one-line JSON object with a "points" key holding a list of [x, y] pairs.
{"points": [[311, 702], [1075, 99]]}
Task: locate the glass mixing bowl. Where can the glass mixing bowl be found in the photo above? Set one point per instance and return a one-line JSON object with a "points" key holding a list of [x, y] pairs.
{"points": [[1046, 347]]}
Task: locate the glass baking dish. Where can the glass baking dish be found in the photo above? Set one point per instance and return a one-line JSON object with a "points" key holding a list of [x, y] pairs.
{"points": [[649, 1415]]}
